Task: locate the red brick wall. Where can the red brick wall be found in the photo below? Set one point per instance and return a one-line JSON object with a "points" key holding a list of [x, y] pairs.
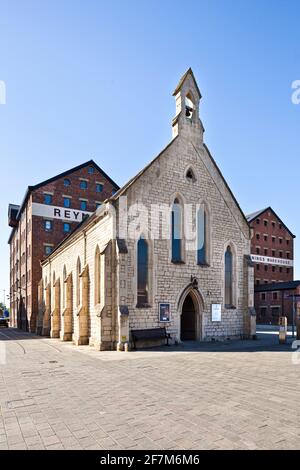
{"points": [[284, 274], [37, 237], [269, 274]]}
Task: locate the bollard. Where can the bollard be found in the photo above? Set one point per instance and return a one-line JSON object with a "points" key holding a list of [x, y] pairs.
{"points": [[282, 329]]}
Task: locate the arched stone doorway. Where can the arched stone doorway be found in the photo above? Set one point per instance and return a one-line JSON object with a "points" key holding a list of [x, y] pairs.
{"points": [[188, 320], [190, 308]]}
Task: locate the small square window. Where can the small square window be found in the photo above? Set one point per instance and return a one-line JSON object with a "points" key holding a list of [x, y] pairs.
{"points": [[67, 182], [91, 170], [47, 199], [48, 225], [83, 205], [257, 221], [99, 188], [67, 227], [48, 249], [83, 184], [67, 202]]}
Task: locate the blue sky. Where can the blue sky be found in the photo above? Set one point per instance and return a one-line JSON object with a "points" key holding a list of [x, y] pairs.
{"points": [[94, 79]]}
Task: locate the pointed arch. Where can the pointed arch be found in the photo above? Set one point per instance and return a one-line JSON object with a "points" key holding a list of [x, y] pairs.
{"points": [[190, 174], [142, 272], [97, 281], [189, 102], [203, 234], [192, 292], [177, 230], [229, 264]]}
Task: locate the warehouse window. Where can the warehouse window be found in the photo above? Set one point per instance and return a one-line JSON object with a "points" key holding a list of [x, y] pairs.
{"points": [[47, 198], [48, 249], [83, 205], [67, 182], [142, 273], [48, 225], [176, 223], [67, 202], [67, 227], [99, 188], [83, 184]]}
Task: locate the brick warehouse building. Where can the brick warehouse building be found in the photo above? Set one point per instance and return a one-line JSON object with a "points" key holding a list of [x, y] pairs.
{"points": [[49, 211], [272, 252]]}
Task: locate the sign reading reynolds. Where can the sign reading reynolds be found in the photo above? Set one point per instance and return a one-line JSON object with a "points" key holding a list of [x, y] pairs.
{"points": [[55, 212], [270, 260]]}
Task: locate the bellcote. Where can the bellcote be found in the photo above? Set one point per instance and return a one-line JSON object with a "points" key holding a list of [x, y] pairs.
{"points": [[187, 98]]}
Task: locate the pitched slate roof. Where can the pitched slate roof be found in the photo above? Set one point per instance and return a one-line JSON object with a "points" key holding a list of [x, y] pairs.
{"points": [[54, 178], [254, 215], [277, 286]]}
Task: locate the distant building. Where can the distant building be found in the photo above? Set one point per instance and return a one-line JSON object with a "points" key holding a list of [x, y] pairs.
{"points": [[49, 212], [272, 252]]}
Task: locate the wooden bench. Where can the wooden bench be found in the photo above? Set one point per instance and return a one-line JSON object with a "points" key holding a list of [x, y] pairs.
{"points": [[151, 333]]}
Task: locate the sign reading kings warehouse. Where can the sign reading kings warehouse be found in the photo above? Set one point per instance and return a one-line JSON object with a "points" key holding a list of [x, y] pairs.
{"points": [[270, 260], [55, 212]]}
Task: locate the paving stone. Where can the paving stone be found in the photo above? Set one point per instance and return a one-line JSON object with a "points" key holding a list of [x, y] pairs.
{"points": [[199, 397]]}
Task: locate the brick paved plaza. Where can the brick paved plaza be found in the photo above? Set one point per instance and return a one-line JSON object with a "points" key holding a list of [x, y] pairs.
{"points": [[239, 395]]}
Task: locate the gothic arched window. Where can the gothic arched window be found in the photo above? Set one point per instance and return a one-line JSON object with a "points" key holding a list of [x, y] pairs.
{"points": [[97, 276], [142, 272], [176, 229], [228, 277], [189, 106], [64, 286], [201, 237], [78, 271]]}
